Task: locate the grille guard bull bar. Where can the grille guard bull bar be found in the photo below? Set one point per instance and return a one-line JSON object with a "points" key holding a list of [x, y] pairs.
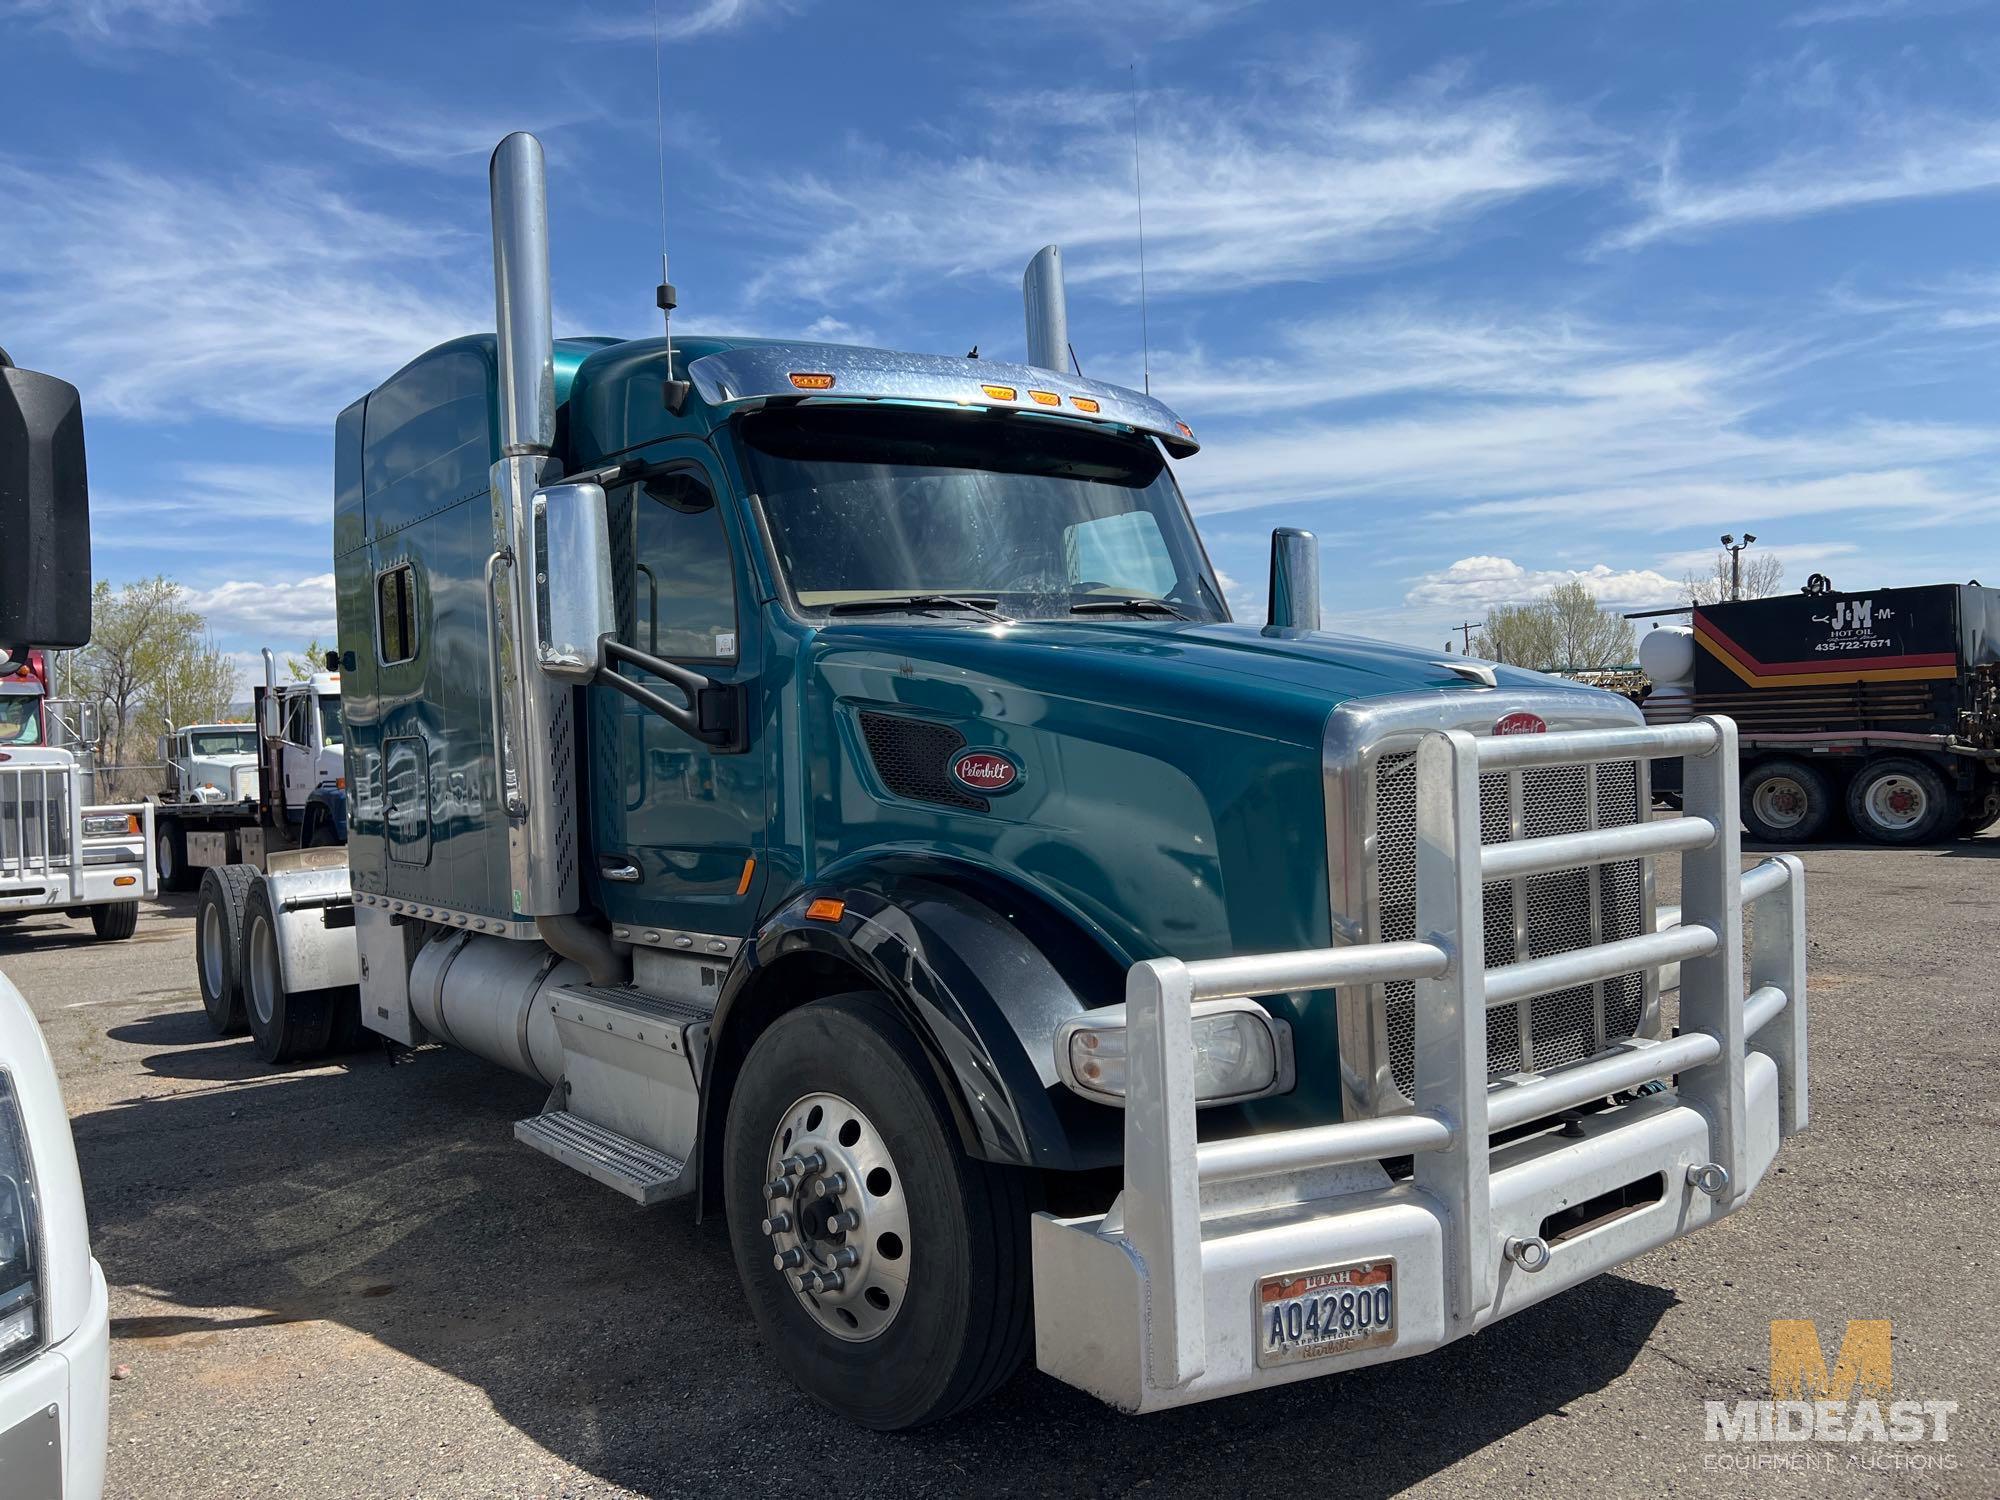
{"points": [[1181, 1240]]}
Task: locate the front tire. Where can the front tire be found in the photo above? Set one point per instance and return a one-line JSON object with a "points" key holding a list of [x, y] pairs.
{"points": [[284, 1026], [1785, 802], [218, 945], [1896, 800], [115, 922], [930, 1309]]}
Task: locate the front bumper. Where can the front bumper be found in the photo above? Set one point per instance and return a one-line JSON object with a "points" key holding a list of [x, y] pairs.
{"points": [[102, 871], [1155, 1304], [55, 1411]]}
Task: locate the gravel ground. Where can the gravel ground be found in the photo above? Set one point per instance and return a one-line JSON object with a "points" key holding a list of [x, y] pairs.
{"points": [[349, 1280]]}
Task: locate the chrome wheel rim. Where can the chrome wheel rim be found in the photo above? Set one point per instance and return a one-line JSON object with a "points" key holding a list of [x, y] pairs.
{"points": [[263, 976], [837, 1217], [210, 944], [1897, 802], [166, 857], [1780, 802]]}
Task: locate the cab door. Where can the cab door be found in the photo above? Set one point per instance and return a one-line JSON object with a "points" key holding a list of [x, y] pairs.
{"points": [[298, 753], [680, 828]]}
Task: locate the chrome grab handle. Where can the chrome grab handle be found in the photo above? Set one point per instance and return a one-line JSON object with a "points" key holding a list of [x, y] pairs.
{"points": [[511, 798], [622, 870]]}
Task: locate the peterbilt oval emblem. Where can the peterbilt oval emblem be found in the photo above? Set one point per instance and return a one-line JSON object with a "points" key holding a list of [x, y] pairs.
{"points": [[1521, 722], [985, 771]]}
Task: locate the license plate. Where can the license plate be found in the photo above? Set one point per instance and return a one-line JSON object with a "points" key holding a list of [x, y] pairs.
{"points": [[1333, 1310]]}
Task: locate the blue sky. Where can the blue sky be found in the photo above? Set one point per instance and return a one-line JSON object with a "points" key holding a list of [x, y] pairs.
{"points": [[1487, 294]]}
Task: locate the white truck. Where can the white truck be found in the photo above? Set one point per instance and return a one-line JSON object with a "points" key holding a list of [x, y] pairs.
{"points": [[54, 1314], [58, 853], [236, 793]]}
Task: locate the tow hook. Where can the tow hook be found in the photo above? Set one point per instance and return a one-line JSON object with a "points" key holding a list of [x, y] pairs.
{"points": [[1712, 1179], [1529, 1252]]}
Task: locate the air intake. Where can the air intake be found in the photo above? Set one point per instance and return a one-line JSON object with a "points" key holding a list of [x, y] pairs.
{"points": [[913, 757]]}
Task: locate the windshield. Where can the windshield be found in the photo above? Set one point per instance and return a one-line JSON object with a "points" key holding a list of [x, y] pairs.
{"points": [[329, 720], [222, 741], [1025, 518], [20, 719]]}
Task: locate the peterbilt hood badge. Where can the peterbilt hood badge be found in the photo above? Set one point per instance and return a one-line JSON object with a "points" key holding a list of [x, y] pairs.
{"points": [[985, 771], [1521, 722]]}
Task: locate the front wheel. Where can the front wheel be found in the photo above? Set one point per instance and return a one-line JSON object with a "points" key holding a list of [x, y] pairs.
{"points": [[116, 921], [170, 859], [1897, 800], [887, 1271]]}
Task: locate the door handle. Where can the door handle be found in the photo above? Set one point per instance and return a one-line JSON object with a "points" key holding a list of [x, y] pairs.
{"points": [[619, 869]]}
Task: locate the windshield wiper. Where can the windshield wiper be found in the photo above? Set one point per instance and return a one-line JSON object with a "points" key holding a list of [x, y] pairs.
{"points": [[982, 607], [1137, 604]]}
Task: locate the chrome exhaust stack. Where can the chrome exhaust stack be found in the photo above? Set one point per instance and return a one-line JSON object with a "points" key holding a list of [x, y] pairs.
{"points": [[1294, 596], [1048, 310], [535, 754]]}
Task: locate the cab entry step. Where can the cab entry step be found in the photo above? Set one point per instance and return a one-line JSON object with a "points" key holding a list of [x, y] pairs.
{"points": [[638, 1171]]}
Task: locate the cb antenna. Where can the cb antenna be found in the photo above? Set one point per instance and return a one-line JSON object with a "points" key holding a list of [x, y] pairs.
{"points": [[675, 392], [1139, 197]]}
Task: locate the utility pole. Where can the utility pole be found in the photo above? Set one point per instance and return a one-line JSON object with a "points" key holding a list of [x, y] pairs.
{"points": [[1465, 629], [1736, 561]]}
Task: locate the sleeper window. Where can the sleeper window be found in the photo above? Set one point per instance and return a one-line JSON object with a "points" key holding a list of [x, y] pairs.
{"points": [[685, 591], [396, 613]]}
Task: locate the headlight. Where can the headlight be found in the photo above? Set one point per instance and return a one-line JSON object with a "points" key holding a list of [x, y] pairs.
{"points": [[111, 826], [1241, 1051], [20, 1311]]}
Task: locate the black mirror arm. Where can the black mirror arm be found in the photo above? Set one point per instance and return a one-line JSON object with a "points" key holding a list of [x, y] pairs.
{"points": [[713, 712]]}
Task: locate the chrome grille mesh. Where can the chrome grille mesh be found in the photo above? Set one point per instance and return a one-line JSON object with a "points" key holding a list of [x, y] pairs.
{"points": [[1539, 915]]}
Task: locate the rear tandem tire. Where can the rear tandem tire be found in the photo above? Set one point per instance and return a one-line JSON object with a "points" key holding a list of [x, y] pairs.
{"points": [[115, 921], [1901, 800], [961, 1321], [218, 945], [284, 1026], [170, 859], [1785, 801]]}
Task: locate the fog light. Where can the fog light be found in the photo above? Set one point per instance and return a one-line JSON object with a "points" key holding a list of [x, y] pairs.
{"points": [[1240, 1051]]}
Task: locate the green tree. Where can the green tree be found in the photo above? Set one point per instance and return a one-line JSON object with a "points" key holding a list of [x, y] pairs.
{"points": [[150, 664], [1565, 630], [305, 668], [1761, 577]]}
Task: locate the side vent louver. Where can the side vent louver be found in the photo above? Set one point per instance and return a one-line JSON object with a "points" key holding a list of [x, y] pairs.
{"points": [[913, 757]]}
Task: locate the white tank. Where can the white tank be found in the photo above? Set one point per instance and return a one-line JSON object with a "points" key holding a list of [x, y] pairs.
{"points": [[1666, 655]]}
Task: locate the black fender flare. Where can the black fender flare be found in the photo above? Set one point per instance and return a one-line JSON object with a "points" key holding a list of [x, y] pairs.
{"points": [[982, 970]]}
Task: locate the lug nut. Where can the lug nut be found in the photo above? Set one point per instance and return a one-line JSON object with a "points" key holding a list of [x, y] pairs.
{"points": [[788, 1260], [792, 1164], [780, 1187], [778, 1223], [807, 1281], [847, 1255], [812, 1161], [845, 1222], [827, 1187], [831, 1281]]}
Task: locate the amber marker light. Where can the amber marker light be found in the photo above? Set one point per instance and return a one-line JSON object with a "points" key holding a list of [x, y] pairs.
{"points": [[1083, 403], [807, 380], [826, 910], [1000, 392], [1046, 398], [743, 882], [1186, 431]]}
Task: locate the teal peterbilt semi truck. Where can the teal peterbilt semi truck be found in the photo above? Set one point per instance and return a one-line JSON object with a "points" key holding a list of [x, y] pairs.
{"points": [[836, 775]]}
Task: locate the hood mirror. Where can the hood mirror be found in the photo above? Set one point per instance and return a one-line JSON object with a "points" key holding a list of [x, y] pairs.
{"points": [[1294, 595]]}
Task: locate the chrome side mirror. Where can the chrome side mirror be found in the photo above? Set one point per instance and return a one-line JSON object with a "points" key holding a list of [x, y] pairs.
{"points": [[573, 578]]}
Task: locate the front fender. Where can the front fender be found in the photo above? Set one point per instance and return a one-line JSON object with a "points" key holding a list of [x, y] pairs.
{"points": [[984, 973]]}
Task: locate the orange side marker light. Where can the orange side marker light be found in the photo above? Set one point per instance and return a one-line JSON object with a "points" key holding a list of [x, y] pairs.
{"points": [[826, 910]]}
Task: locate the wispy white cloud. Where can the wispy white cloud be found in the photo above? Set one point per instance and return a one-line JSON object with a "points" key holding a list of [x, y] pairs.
{"points": [[683, 20], [1123, 20], [1243, 190], [1896, 156], [272, 298], [1483, 582], [120, 22], [1842, 11], [281, 611]]}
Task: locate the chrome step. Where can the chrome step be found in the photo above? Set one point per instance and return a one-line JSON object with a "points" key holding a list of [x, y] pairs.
{"points": [[635, 1001], [638, 1171]]}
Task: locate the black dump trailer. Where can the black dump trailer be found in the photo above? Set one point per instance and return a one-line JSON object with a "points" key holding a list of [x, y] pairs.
{"points": [[1883, 704]]}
